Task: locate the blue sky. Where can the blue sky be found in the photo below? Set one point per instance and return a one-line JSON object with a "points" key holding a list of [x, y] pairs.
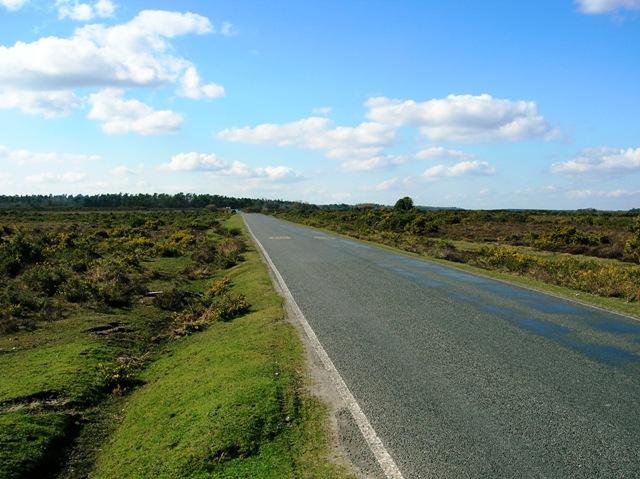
{"points": [[493, 104]]}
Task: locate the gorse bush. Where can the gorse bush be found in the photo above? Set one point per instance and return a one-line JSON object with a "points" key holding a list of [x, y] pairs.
{"points": [[216, 304], [115, 378], [100, 261]]}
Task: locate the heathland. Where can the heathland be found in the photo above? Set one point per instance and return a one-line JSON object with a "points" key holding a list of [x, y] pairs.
{"points": [[140, 335], [148, 343]]}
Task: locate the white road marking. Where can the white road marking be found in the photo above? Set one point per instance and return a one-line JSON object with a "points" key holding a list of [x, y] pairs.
{"points": [[381, 454]]}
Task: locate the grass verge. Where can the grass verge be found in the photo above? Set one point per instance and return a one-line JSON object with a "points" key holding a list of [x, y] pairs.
{"points": [[143, 349], [228, 402]]}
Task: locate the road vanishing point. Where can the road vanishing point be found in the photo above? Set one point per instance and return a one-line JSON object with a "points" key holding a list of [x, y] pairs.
{"points": [[457, 375]]}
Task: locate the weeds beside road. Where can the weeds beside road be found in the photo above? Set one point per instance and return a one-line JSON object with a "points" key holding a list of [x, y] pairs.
{"points": [[148, 344]]}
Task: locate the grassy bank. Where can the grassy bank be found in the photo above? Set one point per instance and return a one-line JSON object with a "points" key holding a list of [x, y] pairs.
{"points": [[148, 344], [228, 402]]}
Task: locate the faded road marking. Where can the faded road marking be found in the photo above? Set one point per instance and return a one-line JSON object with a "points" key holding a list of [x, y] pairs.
{"points": [[279, 237]]}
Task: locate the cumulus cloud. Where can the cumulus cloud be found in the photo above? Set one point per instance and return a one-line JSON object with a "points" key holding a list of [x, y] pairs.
{"points": [[383, 186], [25, 157], [13, 4], [50, 177], [463, 118], [438, 153], [596, 162], [39, 77], [227, 29], [50, 104], [322, 110], [84, 11], [461, 169], [595, 7], [300, 133], [128, 55], [279, 173], [215, 166], [371, 159], [194, 162], [312, 133], [615, 194], [191, 86], [125, 171], [120, 116]]}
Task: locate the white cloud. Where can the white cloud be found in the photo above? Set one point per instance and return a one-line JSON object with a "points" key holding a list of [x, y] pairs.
{"points": [[276, 174], [615, 194], [227, 29], [121, 116], [84, 11], [324, 111], [462, 169], [13, 4], [594, 7], [194, 162], [312, 133], [384, 186], [300, 133], [463, 118], [215, 166], [191, 86], [50, 104], [236, 170], [365, 159], [279, 173], [125, 171], [596, 162], [438, 153], [26, 157], [50, 177], [129, 55]]}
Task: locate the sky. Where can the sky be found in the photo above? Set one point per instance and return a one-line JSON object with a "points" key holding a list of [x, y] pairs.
{"points": [[473, 104]]}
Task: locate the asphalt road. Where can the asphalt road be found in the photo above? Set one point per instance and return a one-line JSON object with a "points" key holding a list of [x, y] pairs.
{"points": [[464, 376]]}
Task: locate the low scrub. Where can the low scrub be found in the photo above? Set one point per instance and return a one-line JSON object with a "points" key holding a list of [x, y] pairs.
{"points": [[97, 336]]}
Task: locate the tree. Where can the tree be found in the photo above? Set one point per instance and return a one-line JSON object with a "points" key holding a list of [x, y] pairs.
{"points": [[404, 204]]}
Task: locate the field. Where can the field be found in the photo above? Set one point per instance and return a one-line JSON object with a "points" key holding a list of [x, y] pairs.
{"points": [[148, 343]]}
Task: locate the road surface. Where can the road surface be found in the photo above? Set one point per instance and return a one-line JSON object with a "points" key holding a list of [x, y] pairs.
{"points": [[462, 376]]}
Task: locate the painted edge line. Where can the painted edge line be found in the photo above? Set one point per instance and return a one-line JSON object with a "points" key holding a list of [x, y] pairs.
{"points": [[381, 454]]}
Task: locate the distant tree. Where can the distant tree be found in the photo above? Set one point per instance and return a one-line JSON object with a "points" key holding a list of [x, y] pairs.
{"points": [[404, 204]]}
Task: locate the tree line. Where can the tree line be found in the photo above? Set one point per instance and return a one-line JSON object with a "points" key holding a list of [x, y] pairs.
{"points": [[139, 200]]}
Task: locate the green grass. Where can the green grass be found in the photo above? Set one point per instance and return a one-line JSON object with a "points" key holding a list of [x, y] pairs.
{"points": [[229, 402], [21, 434], [51, 368]]}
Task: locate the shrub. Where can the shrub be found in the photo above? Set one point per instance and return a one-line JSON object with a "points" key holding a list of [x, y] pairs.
{"points": [[230, 306], [173, 300], [45, 278], [205, 253], [115, 378], [76, 290]]}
